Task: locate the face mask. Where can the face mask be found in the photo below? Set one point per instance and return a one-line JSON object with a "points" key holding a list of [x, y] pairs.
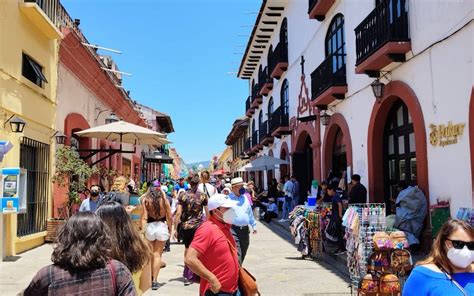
{"points": [[229, 216], [241, 191], [94, 193], [461, 258]]}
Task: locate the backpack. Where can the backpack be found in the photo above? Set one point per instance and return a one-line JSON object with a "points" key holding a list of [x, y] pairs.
{"points": [[382, 241], [401, 261], [379, 261]]}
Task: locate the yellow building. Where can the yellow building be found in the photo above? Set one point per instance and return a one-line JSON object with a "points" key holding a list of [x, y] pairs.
{"points": [[29, 42]]}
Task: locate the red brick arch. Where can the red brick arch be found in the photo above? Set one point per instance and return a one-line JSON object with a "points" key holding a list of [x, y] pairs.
{"points": [[75, 122], [336, 122], [284, 168], [393, 91]]}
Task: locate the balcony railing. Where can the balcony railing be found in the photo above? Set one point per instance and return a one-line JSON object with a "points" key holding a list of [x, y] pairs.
{"points": [[255, 93], [263, 130], [264, 78], [279, 118], [387, 22], [280, 55], [255, 140], [49, 7], [331, 72]]}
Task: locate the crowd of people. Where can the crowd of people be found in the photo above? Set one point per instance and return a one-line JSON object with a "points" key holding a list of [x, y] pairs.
{"points": [[102, 251]]}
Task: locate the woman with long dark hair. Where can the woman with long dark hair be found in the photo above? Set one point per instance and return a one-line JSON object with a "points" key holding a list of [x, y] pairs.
{"points": [[128, 246], [82, 262], [448, 269], [156, 226]]}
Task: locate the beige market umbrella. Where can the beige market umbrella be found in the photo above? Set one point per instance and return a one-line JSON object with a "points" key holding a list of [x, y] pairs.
{"points": [[262, 163], [125, 132]]}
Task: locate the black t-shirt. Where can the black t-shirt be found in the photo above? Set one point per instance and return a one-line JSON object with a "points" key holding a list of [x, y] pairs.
{"points": [[358, 194]]}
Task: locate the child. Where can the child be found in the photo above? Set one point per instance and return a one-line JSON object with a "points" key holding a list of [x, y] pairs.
{"points": [[272, 210]]}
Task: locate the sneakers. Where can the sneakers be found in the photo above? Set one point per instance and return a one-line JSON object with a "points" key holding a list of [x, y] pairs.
{"points": [[187, 282], [155, 285]]}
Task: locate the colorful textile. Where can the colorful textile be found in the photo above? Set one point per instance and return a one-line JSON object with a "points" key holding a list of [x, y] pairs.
{"points": [[192, 204]]}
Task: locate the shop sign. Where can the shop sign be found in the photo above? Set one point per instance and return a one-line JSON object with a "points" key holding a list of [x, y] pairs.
{"points": [[443, 135], [10, 186]]}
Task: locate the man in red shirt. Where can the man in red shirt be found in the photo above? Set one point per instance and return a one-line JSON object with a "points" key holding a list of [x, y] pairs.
{"points": [[210, 256]]}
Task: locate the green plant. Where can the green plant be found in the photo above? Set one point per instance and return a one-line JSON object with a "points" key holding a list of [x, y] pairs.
{"points": [[144, 188], [71, 171]]}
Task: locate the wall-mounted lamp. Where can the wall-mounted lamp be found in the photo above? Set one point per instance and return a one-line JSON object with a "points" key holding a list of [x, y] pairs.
{"points": [[16, 123], [111, 119], [377, 89], [60, 137], [325, 117]]}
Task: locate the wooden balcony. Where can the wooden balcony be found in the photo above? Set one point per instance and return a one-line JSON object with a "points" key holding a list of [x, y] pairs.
{"points": [[265, 82], [256, 146], [317, 9], [382, 37], [249, 110], [328, 81], [256, 97], [265, 136], [279, 122], [278, 62], [247, 144]]}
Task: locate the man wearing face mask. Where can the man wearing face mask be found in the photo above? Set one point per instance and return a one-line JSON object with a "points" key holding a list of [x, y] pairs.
{"points": [[243, 217], [212, 253], [91, 203]]}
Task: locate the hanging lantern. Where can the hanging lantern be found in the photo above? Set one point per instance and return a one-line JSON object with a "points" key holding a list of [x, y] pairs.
{"points": [[377, 89], [325, 118]]}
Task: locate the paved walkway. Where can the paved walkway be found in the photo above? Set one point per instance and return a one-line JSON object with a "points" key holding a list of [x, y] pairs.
{"points": [[274, 261]]}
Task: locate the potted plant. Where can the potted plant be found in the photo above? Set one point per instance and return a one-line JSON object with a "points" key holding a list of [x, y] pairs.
{"points": [[71, 172]]}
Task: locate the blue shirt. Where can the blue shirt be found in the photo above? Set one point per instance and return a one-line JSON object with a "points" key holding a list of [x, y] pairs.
{"points": [[424, 281], [243, 211], [88, 205]]}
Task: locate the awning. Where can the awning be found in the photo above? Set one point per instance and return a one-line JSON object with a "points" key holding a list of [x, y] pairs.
{"points": [[158, 157]]}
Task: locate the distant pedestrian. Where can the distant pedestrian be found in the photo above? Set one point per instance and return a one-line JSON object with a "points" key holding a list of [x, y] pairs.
{"points": [[119, 192], [156, 226], [93, 201], [336, 216], [358, 193], [204, 185], [128, 246], [296, 192], [242, 219], [323, 195], [288, 190], [82, 262], [178, 186], [212, 253]]}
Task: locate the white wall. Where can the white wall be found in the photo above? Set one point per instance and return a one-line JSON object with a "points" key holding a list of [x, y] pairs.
{"points": [[440, 76]]}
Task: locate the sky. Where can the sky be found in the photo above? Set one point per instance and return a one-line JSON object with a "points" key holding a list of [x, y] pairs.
{"points": [[180, 53]]}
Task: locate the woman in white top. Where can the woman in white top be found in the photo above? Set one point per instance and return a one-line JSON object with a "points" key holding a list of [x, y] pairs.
{"points": [[205, 186]]}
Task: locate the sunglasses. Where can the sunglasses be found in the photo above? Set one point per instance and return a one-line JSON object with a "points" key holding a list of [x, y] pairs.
{"points": [[460, 244]]}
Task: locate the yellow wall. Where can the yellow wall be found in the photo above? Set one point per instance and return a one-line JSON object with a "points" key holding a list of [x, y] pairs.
{"points": [[34, 104]]}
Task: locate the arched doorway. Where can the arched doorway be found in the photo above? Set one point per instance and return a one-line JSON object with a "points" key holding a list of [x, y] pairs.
{"points": [[303, 165], [409, 124], [284, 168], [399, 152]]}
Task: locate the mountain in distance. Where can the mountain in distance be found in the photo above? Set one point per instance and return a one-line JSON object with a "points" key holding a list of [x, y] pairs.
{"points": [[205, 164]]}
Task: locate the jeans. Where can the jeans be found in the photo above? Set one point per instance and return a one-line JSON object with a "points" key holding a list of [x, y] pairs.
{"points": [[242, 240], [287, 207]]}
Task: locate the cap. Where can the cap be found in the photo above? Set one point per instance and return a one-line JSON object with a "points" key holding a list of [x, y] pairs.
{"points": [[220, 200], [237, 181]]}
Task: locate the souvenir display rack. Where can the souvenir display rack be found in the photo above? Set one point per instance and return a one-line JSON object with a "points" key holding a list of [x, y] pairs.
{"points": [[361, 222]]}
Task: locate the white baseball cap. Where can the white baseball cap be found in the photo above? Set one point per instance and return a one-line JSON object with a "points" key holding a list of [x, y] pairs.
{"points": [[220, 200]]}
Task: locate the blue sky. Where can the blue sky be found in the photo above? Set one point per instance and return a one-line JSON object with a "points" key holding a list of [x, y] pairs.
{"points": [[179, 52]]}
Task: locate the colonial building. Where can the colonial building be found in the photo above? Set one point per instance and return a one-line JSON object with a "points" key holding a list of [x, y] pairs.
{"points": [[376, 88], [90, 93], [29, 36]]}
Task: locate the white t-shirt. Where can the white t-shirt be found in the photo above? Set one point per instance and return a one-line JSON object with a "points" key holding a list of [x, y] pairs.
{"points": [[211, 189]]}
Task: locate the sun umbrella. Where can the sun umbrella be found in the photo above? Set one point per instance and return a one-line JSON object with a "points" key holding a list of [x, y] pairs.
{"points": [[262, 163], [158, 157], [125, 132]]}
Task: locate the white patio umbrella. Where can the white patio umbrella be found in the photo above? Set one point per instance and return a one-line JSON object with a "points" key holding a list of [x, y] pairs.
{"points": [[125, 132], [262, 163]]}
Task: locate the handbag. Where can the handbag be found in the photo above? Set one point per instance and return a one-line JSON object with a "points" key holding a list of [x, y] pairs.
{"points": [[247, 282]]}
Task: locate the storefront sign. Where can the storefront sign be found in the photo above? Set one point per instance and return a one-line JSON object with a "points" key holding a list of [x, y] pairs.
{"points": [[10, 186], [442, 135]]}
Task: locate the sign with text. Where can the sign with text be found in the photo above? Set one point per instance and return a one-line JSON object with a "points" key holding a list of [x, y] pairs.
{"points": [[443, 135]]}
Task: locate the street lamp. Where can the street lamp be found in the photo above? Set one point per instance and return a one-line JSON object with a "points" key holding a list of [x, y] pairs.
{"points": [[16, 123], [325, 118], [112, 118], [60, 138], [377, 89]]}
